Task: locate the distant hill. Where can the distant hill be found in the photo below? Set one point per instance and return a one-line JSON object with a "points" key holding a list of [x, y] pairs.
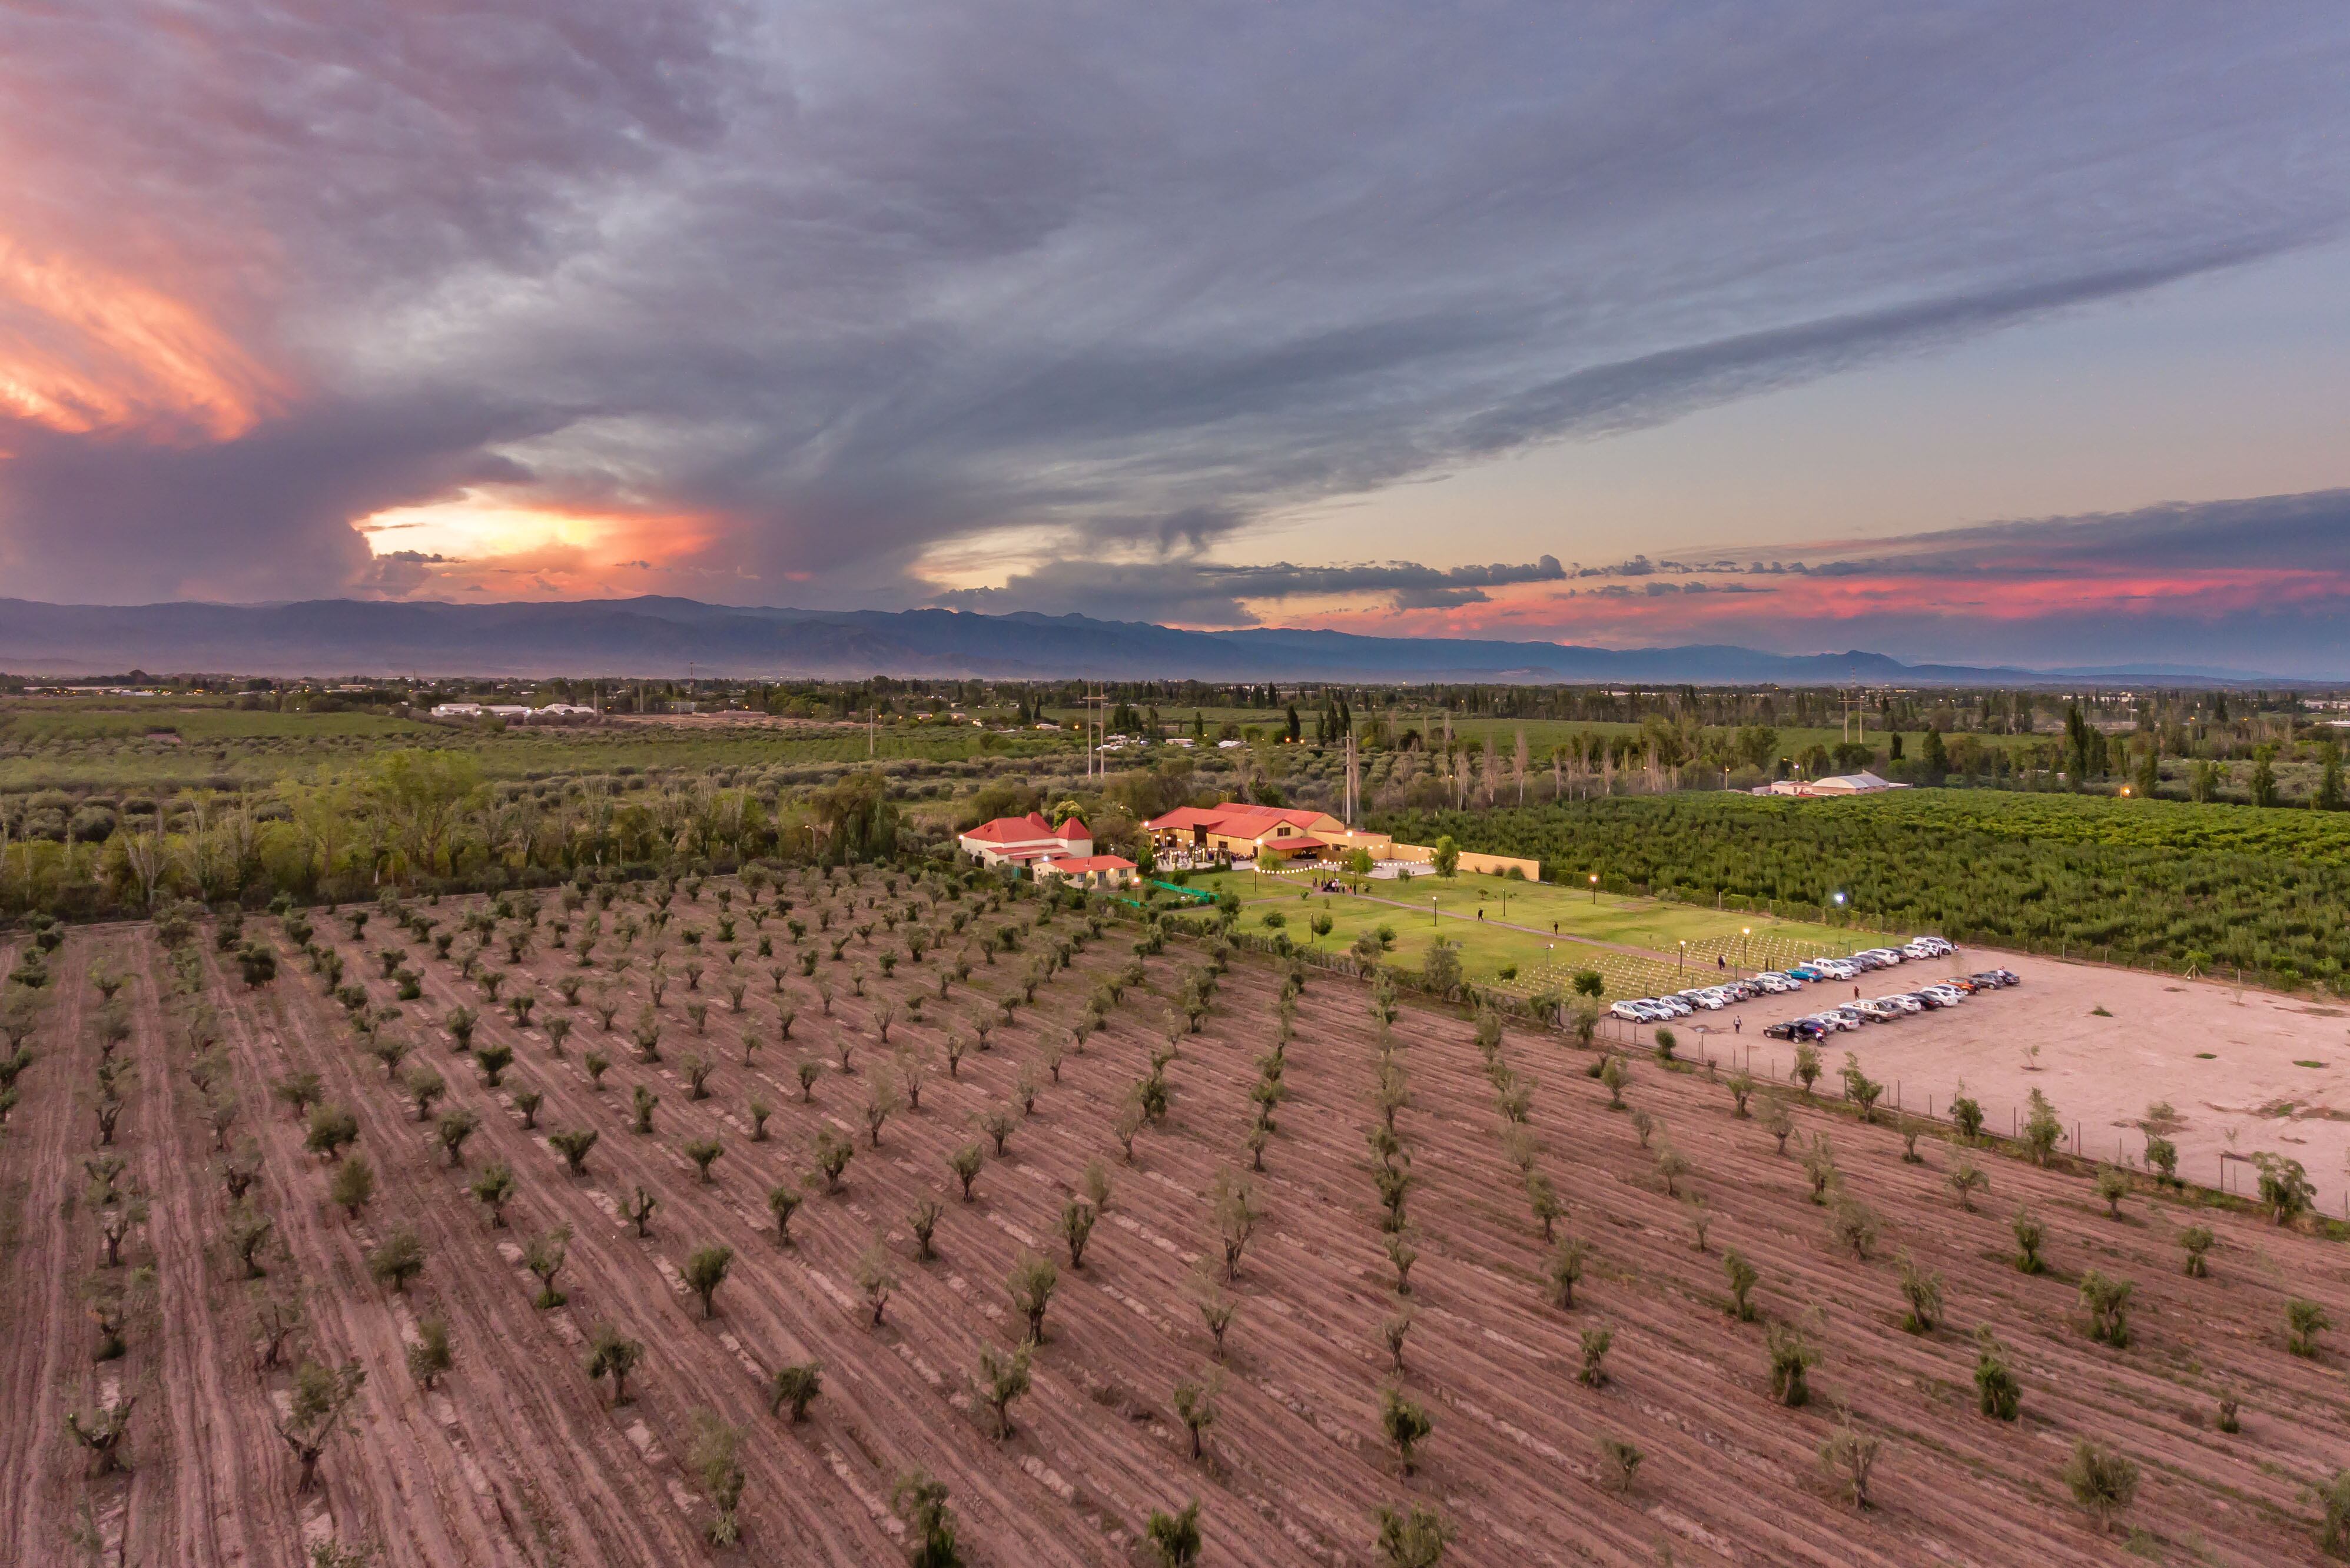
{"points": [[660, 637]]}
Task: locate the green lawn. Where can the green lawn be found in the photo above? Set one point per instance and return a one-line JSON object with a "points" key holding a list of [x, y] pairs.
{"points": [[1543, 961]]}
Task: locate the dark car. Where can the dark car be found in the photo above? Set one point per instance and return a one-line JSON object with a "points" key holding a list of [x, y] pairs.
{"points": [[1795, 1029]]}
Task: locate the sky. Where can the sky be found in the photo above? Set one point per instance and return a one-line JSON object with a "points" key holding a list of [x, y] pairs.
{"points": [[1980, 333]]}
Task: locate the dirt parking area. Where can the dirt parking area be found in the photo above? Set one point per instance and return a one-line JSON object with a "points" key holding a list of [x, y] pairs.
{"points": [[2246, 1070]]}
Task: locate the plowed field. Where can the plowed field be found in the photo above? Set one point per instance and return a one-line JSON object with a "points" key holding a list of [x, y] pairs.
{"points": [[516, 1455]]}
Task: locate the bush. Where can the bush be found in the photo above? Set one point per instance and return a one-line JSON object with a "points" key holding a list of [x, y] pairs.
{"points": [[1852, 1454], [1413, 1538], [2107, 1301], [1792, 1358], [1406, 1424], [1595, 1343], [1997, 1392], [2197, 1240], [2029, 1233], [2304, 1320], [1618, 1462], [2102, 1481]]}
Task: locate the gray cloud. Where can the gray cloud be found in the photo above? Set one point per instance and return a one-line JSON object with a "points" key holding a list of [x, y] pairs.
{"points": [[853, 281], [1198, 593], [2303, 534]]}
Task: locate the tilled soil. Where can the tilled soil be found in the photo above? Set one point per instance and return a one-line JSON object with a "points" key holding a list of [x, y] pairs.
{"points": [[517, 1457]]}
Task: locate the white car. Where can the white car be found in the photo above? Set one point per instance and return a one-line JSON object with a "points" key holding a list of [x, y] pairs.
{"points": [[1834, 1021], [1778, 984], [1888, 956], [1631, 1012], [1904, 1004], [1712, 1001], [1951, 994], [1934, 947]]}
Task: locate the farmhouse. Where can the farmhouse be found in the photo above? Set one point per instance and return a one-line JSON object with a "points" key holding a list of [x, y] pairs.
{"points": [[1023, 841], [1089, 871], [1240, 831]]}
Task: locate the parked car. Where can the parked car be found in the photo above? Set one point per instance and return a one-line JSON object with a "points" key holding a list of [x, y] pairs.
{"points": [[1948, 995], [1903, 1004], [1804, 971], [1631, 1012], [1793, 1029], [1886, 957], [1772, 982], [1876, 1012]]}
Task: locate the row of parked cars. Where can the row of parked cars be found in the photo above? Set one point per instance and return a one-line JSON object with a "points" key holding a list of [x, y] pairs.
{"points": [[1774, 982], [1900, 1004]]}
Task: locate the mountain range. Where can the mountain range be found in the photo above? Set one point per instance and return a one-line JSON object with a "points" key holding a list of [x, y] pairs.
{"points": [[669, 638]]}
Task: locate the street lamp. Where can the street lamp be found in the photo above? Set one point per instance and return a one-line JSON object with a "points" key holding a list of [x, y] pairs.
{"points": [[1594, 887], [1745, 938], [1683, 971], [1431, 908]]}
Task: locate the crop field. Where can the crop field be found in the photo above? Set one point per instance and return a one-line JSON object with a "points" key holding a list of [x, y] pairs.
{"points": [[48, 745], [1542, 734], [1396, 1332], [2213, 887]]}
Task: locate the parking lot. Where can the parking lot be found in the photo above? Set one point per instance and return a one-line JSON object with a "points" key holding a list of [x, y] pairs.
{"points": [[1811, 991], [2243, 1071]]}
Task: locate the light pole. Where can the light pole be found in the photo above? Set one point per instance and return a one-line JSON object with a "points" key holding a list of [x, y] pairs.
{"points": [[1594, 887], [1431, 908], [1682, 973], [1745, 938]]}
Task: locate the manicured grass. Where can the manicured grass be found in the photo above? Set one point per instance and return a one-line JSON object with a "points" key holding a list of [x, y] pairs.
{"points": [[1490, 945]]}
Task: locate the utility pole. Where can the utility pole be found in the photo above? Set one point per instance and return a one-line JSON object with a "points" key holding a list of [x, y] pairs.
{"points": [[1354, 778]]}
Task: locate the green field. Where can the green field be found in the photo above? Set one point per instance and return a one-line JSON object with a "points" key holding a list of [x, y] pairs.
{"points": [[1543, 961], [2145, 881], [146, 745]]}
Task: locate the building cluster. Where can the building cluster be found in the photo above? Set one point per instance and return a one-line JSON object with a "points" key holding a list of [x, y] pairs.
{"points": [[1862, 782], [1198, 837], [515, 712], [1047, 853]]}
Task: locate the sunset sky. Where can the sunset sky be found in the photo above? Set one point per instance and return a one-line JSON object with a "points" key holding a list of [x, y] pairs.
{"points": [[1982, 333]]}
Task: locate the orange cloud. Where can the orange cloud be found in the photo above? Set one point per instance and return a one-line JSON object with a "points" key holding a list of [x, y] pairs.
{"points": [[481, 542], [81, 350], [1819, 600]]}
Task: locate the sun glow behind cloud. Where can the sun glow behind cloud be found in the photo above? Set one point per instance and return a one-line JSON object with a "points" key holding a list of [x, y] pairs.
{"points": [[82, 351], [483, 542]]}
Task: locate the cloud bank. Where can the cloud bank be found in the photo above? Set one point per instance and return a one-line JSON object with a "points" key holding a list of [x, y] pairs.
{"points": [[796, 304]]}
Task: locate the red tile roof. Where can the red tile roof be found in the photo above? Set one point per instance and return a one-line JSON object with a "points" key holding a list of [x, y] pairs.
{"points": [[1294, 846], [1092, 863], [1237, 818], [1013, 830]]}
